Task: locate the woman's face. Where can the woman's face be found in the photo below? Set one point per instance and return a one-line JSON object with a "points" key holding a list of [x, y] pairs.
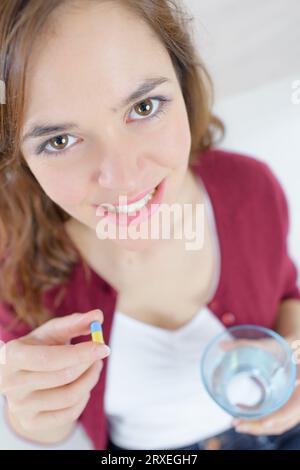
{"points": [[102, 146]]}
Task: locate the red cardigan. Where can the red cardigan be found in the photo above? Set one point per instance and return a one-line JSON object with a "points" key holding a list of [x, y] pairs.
{"points": [[257, 273]]}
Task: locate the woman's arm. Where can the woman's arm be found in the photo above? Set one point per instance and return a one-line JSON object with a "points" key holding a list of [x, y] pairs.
{"points": [[288, 319]]}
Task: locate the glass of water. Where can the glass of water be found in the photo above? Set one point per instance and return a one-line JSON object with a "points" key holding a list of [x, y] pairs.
{"points": [[249, 371]]}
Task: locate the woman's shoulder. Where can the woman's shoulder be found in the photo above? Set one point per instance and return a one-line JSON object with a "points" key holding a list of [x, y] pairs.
{"points": [[234, 163], [241, 176]]}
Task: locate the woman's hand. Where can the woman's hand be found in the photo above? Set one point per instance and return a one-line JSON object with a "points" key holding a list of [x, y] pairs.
{"points": [[281, 420], [47, 381]]}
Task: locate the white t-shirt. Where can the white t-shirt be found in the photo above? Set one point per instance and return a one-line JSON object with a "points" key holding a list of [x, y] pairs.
{"points": [[154, 395]]}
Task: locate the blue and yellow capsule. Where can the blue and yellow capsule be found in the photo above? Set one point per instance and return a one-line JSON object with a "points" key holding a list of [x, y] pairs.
{"points": [[96, 332]]}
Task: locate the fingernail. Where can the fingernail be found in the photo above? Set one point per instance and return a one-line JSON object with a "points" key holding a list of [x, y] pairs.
{"points": [[104, 350]]}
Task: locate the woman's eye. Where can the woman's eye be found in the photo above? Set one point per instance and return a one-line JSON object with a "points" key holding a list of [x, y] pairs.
{"points": [[57, 144], [145, 110]]}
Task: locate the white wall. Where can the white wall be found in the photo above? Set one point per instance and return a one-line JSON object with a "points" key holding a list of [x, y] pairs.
{"points": [[247, 43], [252, 50]]}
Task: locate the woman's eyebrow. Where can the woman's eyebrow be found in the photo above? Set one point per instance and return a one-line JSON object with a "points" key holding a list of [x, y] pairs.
{"points": [[43, 129]]}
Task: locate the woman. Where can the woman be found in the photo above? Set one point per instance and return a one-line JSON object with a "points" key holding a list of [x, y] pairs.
{"points": [[109, 101]]}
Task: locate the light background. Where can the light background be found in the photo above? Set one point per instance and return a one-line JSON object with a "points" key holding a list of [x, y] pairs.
{"points": [[252, 50]]}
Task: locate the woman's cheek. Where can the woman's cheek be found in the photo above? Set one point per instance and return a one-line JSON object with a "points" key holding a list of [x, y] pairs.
{"points": [[175, 140], [64, 188]]}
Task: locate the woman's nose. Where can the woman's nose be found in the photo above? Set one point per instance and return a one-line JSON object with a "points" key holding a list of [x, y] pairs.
{"points": [[122, 174]]}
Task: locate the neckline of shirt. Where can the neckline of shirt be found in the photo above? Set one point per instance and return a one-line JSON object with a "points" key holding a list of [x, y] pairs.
{"points": [[198, 317]]}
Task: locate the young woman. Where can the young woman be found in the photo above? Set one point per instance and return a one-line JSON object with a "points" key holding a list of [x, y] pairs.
{"points": [[107, 100]]}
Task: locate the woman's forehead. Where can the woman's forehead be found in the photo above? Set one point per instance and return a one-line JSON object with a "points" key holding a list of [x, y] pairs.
{"points": [[99, 55]]}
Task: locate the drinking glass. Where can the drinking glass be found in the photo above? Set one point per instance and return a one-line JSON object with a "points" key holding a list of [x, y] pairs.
{"points": [[249, 371]]}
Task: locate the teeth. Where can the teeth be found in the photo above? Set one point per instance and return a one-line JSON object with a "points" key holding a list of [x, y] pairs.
{"points": [[128, 209]]}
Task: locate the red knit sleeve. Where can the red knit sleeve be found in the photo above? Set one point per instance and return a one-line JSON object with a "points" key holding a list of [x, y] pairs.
{"points": [[288, 270], [290, 286]]}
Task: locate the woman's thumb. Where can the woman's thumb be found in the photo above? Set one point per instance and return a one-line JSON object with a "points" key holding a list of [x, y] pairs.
{"points": [[62, 329]]}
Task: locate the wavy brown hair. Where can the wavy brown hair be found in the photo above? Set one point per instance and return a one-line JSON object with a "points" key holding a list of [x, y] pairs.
{"points": [[35, 253]]}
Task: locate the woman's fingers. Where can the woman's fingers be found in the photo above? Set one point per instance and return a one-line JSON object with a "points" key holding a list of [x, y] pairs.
{"points": [[46, 380], [276, 423], [55, 419], [23, 382], [36, 358], [267, 344], [56, 398], [70, 394], [61, 330]]}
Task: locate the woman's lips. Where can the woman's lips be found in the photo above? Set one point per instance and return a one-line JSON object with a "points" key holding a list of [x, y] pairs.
{"points": [[149, 209], [131, 201], [137, 198]]}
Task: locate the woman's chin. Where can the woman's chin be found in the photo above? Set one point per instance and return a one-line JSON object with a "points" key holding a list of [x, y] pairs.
{"points": [[138, 245], [139, 235]]}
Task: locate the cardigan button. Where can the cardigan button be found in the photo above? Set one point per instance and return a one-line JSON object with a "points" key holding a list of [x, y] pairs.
{"points": [[228, 318]]}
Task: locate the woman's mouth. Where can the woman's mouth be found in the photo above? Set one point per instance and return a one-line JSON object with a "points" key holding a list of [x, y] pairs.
{"points": [[130, 208], [137, 211]]}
